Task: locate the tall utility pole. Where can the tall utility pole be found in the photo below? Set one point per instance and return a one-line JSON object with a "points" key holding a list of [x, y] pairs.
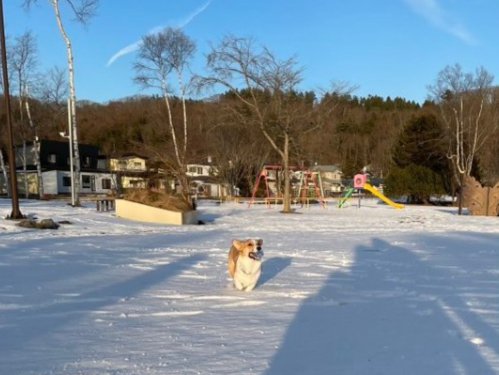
{"points": [[16, 212]]}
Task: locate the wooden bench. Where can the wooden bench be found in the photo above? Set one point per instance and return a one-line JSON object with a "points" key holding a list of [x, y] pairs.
{"points": [[105, 204]]}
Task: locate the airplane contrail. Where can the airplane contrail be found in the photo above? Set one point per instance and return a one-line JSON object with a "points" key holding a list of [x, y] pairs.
{"points": [[436, 15], [180, 25]]}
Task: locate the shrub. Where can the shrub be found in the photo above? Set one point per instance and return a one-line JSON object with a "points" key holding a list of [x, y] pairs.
{"points": [[418, 183], [159, 199]]}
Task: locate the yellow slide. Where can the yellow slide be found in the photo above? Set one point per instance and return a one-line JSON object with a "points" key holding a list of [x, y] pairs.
{"points": [[378, 194]]}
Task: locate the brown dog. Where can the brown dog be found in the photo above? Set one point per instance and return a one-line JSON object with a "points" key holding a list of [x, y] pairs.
{"points": [[244, 264]]}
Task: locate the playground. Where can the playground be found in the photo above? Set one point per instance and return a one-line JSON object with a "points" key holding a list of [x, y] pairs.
{"points": [[308, 187]]}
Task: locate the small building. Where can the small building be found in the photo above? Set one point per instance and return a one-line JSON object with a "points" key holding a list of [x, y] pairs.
{"points": [[205, 183], [55, 159], [331, 177], [131, 171]]}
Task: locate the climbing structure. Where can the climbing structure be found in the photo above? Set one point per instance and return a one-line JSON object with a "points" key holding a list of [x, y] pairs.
{"points": [[310, 187], [268, 175]]}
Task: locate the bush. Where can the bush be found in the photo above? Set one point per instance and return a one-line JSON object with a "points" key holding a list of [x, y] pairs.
{"points": [[418, 183], [159, 199]]}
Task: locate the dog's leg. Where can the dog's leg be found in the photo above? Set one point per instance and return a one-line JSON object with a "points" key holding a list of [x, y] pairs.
{"points": [[231, 263], [250, 287], [238, 284]]}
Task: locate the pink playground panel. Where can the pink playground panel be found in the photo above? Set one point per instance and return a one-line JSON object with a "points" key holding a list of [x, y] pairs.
{"points": [[359, 180]]}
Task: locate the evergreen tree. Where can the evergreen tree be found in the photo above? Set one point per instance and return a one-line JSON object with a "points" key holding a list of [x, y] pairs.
{"points": [[421, 167]]}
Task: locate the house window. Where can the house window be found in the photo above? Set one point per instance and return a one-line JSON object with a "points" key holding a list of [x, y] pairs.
{"points": [[106, 183], [136, 183], [66, 181], [86, 181], [52, 158], [137, 164], [196, 170], [86, 162]]}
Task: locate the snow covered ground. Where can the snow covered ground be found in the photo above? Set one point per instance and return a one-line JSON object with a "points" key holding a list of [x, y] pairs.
{"points": [[343, 291]]}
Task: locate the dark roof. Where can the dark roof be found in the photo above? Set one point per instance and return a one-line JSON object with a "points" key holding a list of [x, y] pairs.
{"points": [[326, 168]]}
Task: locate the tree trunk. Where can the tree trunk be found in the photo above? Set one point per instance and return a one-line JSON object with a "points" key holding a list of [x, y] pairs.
{"points": [[41, 191], [179, 153], [184, 185], [5, 175], [36, 150], [72, 91], [287, 191], [25, 172], [460, 198]]}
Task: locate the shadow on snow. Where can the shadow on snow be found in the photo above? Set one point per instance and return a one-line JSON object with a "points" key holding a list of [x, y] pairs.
{"points": [[348, 326]]}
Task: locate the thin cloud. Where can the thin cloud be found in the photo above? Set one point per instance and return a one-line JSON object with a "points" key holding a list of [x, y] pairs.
{"points": [[179, 24], [187, 20], [124, 51], [438, 17]]}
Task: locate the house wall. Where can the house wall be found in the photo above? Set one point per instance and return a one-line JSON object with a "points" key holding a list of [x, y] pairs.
{"points": [[55, 155], [129, 164], [131, 182], [94, 183], [50, 182], [32, 178], [332, 175], [3, 185], [194, 170], [53, 183]]}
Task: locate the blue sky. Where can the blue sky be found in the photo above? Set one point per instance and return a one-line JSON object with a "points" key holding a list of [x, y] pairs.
{"points": [[387, 48]]}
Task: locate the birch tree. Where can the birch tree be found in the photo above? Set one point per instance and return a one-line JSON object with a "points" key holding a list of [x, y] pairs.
{"points": [[162, 62], [468, 110], [82, 10], [23, 65]]}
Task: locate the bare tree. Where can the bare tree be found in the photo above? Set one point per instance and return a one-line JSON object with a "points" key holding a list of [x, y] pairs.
{"points": [[239, 152], [23, 64], [266, 89], [82, 10], [163, 58], [23, 60], [53, 88], [467, 106]]}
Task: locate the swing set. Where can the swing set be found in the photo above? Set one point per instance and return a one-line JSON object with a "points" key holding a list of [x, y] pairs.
{"points": [[310, 186]]}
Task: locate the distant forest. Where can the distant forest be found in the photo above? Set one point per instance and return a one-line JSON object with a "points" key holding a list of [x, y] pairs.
{"points": [[262, 117], [398, 140]]}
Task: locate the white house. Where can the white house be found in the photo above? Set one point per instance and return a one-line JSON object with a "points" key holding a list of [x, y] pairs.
{"points": [[131, 171], [331, 177], [204, 182], [55, 168]]}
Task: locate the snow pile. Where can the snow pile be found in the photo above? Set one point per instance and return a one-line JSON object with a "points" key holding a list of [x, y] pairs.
{"points": [[343, 291]]}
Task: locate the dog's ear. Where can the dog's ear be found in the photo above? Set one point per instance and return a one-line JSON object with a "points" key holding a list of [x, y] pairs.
{"points": [[237, 245]]}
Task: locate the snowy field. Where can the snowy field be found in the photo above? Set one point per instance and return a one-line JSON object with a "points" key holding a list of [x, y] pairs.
{"points": [[343, 291]]}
